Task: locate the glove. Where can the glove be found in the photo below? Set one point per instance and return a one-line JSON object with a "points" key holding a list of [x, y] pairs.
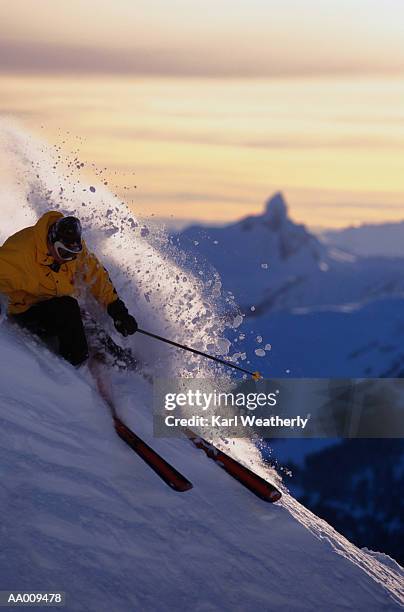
{"points": [[124, 323]]}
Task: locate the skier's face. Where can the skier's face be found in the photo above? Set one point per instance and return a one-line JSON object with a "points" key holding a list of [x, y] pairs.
{"points": [[61, 254]]}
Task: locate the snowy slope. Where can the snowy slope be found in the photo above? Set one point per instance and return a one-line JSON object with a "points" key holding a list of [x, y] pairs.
{"points": [[82, 513]]}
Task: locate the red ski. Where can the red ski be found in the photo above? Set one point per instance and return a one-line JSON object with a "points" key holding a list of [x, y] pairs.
{"points": [[160, 466], [257, 485], [165, 470]]}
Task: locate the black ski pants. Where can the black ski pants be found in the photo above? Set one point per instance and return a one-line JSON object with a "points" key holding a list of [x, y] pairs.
{"points": [[61, 318]]}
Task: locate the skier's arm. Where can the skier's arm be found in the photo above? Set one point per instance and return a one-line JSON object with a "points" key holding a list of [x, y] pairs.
{"points": [[96, 276], [97, 279]]}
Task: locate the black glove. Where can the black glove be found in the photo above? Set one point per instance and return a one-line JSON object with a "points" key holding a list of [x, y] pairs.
{"points": [[124, 323]]}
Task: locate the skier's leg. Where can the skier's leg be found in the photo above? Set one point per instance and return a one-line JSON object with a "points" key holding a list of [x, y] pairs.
{"points": [[59, 317], [70, 331], [31, 320]]}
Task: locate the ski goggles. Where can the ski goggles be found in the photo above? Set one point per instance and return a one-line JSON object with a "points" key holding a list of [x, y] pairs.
{"points": [[67, 252]]}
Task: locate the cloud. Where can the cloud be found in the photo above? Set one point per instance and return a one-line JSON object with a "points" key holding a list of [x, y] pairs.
{"points": [[33, 57], [51, 58]]}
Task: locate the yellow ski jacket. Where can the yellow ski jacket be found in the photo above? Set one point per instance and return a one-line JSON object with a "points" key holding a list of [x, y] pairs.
{"points": [[26, 278]]}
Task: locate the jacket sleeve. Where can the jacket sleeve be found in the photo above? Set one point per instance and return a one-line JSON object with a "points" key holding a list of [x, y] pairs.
{"points": [[97, 279]]}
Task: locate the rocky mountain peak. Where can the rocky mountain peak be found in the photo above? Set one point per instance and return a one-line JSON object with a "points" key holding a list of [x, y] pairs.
{"points": [[276, 211]]}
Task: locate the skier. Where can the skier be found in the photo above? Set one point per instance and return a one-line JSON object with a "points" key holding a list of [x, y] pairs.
{"points": [[41, 269]]}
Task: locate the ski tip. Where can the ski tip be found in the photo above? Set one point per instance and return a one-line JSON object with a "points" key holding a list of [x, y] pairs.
{"points": [[275, 496], [182, 486], [257, 376]]}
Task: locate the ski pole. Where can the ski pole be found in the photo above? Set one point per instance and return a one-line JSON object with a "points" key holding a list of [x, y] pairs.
{"points": [[255, 375]]}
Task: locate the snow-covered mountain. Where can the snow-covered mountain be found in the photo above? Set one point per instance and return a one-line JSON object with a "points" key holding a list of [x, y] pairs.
{"points": [[309, 309], [341, 342], [378, 239], [270, 263]]}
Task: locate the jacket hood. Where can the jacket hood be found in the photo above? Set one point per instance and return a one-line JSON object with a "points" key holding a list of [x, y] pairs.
{"points": [[41, 229]]}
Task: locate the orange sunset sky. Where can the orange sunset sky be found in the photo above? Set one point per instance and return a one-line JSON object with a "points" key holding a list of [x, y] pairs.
{"points": [[216, 104]]}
